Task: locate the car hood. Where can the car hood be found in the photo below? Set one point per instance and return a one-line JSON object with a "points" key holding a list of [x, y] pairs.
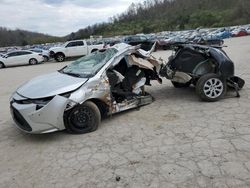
{"points": [[50, 85]]}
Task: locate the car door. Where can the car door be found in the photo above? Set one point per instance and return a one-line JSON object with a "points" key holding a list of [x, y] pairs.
{"points": [[12, 59], [81, 48], [71, 48], [75, 48], [25, 57]]}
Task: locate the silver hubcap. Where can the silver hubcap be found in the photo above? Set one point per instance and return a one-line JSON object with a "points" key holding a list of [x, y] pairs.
{"points": [[32, 61], [1, 65], [60, 58], [213, 88]]}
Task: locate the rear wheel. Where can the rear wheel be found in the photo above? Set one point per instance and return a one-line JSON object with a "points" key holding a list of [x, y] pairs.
{"points": [[83, 118], [180, 85], [1, 65], [33, 61], [60, 57], [211, 87], [46, 58]]}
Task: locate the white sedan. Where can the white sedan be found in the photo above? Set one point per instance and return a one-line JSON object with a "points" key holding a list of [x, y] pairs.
{"points": [[45, 53], [20, 57]]}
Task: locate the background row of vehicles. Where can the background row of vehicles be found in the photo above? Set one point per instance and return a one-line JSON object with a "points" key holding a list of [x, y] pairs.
{"points": [[36, 55], [77, 48], [165, 40]]}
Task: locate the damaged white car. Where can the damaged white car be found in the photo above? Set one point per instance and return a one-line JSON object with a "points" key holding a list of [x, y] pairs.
{"points": [[77, 96]]}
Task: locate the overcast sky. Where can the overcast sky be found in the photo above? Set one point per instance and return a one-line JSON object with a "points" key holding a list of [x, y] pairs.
{"points": [[58, 17]]}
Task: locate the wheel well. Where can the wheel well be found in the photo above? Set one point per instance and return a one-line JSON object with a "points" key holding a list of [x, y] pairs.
{"points": [[2, 63], [32, 58], [59, 53], [102, 106], [94, 50]]}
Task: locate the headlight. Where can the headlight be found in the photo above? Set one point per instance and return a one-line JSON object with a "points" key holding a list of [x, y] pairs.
{"points": [[66, 95], [40, 103], [70, 105]]}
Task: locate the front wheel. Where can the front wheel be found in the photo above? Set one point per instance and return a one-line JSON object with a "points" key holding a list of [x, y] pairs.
{"points": [[83, 118], [211, 87], [33, 61], [60, 57]]}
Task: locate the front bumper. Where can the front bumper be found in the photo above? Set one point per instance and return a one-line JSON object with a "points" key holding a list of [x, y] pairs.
{"points": [[47, 119]]}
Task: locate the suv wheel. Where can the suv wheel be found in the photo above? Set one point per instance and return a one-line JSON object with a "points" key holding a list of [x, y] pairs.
{"points": [[60, 57]]}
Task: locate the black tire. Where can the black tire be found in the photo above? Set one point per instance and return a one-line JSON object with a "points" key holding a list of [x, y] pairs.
{"points": [[180, 85], [211, 87], [33, 61], [82, 119], [60, 57], [45, 58], [2, 65]]}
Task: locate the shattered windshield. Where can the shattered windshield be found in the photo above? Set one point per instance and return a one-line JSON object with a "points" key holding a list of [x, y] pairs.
{"points": [[89, 65]]}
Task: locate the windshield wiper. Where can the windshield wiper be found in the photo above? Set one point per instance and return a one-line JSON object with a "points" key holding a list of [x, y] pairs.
{"points": [[72, 74]]}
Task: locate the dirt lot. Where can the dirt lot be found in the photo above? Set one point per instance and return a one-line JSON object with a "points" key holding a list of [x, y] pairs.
{"points": [[177, 141]]}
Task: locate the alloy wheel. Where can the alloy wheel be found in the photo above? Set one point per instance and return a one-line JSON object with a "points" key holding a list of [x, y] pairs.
{"points": [[213, 88]]}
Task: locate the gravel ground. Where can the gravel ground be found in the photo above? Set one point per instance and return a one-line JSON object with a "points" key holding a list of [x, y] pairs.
{"points": [[177, 141]]}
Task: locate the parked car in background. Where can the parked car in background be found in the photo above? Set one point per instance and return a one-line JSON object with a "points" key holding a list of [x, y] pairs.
{"points": [[210, 40], [111, 42], [165, 44], [239, 32], [222, 33], [73, 49], [45, 53], [248, 30], [135, 40], [20, 57]]}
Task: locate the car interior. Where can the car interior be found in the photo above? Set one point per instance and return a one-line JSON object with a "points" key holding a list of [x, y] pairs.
{"points": [[127, 80]]}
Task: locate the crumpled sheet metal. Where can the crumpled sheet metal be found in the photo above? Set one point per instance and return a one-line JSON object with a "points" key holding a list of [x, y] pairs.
{"points": [[140, 62]]}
